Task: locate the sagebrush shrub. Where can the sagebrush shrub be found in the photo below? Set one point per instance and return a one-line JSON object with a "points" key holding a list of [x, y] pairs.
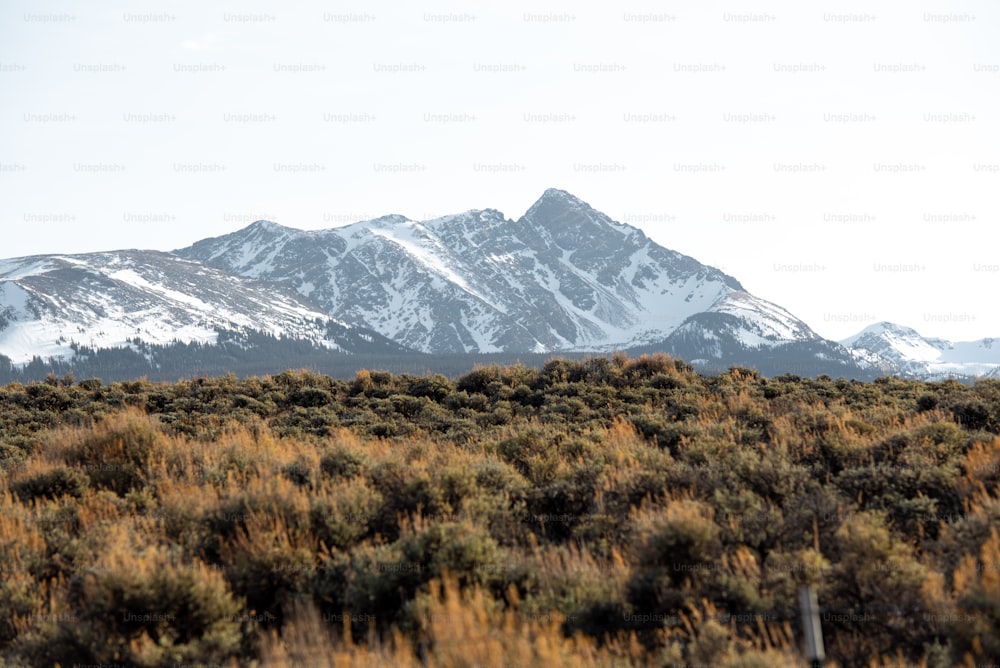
{"points": [[116, 453], [341, 463], [51, 484], [344, 515], [149, 607]]}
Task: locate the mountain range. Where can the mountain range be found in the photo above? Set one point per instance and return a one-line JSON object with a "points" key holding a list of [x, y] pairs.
{"points": [[897, 350], [562, 278]]}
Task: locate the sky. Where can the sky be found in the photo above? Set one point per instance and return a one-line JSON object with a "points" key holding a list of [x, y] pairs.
{"points": [[841, 159]]}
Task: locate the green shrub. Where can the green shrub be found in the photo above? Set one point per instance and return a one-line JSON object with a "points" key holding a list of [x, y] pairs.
{"points": [[19, 600], [534, 454], [435, 387], [90, 384], [405, 492], [675, 546], [876, 580], [484, 380], [299, 472], [341, 463], [976, 626], [384, 580], [311, 397], [116, 453], [344, 517], [927, 402], [972, 415], [146, 609], [52, 484], [667, 435]]}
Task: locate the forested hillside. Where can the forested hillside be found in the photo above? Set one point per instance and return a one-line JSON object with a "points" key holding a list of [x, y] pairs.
{"points": [[597, 512]]}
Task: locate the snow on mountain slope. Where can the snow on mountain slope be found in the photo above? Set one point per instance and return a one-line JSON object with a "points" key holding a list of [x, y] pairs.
{"points": [[768, 324], [902, 343], [562, 277], [901, 350], [102, 300]]}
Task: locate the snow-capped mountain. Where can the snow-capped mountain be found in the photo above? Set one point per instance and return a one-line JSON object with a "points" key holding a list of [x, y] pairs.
{"points": [[51, 305], [898, 350], [562, 277]]}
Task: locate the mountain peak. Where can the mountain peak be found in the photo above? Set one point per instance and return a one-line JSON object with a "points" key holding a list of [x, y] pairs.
{"points": [[268, 227], [391, 219], [886, 326], [881, 330], [554, 197], [264, 224], [558, 192], [575, 225], [559, 205]]}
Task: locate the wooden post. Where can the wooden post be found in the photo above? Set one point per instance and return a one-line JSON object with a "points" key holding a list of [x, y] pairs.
{"points": [[811, 627]]}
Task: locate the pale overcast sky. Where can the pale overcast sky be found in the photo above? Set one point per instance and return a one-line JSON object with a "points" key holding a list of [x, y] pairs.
{"points": [[841, 159]]}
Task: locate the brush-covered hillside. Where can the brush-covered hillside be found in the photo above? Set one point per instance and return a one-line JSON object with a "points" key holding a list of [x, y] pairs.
{"points": [[588, 513]]}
